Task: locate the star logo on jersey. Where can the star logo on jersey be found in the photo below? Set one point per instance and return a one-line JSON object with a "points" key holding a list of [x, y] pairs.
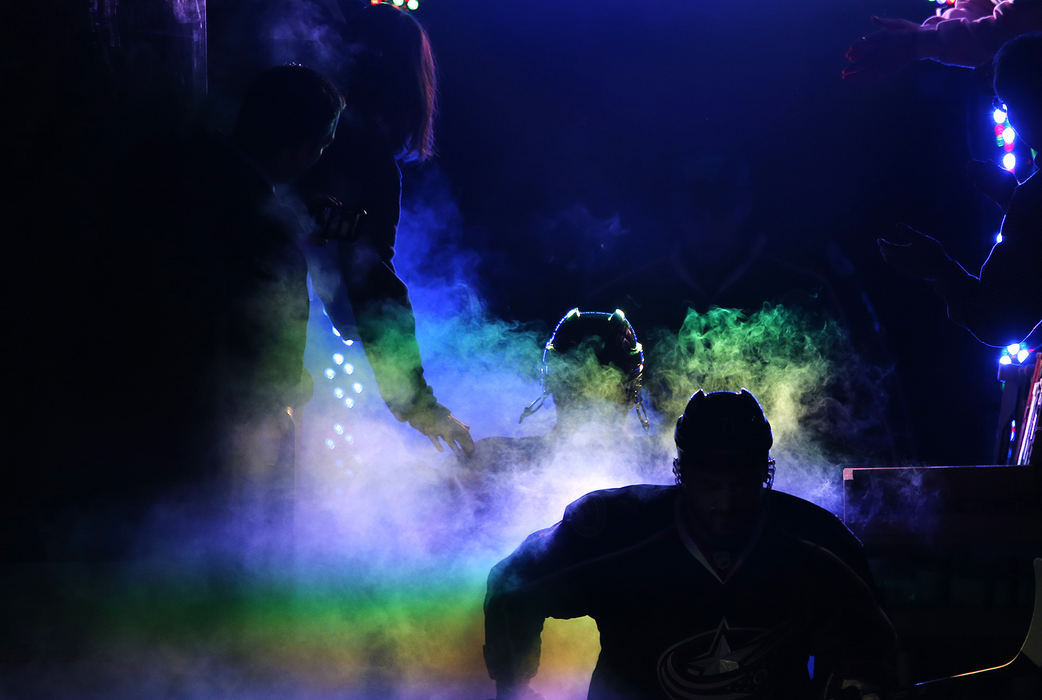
{"points": [[722, 664]]}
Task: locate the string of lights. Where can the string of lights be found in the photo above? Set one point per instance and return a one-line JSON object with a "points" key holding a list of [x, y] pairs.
{"points": [[1005, 139], [1016, 359], [411, 5], [342, 385], [1015, 354]]}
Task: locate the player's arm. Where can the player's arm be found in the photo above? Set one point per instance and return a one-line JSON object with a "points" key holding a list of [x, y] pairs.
{"points": [[549, 575], [514, 617]]}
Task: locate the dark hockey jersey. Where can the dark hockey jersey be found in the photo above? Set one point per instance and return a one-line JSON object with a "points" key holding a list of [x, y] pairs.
{"points": [[677, 621]]}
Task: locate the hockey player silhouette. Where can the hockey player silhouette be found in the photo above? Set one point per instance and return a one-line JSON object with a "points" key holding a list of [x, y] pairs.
{"points": [[708, 588]]}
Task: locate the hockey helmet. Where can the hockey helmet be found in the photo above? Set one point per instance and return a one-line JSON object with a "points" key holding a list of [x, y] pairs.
{"points": [[723, 428], [609, 338]]}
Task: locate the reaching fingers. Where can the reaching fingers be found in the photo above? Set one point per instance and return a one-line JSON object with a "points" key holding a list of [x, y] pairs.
{"points": [[859, 50], [859, 73], [461, 438]]}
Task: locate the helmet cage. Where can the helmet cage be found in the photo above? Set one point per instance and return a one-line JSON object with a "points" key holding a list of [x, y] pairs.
{"points": [[635, 374]]}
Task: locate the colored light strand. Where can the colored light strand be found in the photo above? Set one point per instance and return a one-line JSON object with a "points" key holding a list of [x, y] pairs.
{"points": [[1005, 137], [1015, 354], [411, 5], [335, 374]]}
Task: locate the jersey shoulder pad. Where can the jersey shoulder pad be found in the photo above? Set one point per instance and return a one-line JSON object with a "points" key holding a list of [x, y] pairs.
{"points": [[634, 509]]}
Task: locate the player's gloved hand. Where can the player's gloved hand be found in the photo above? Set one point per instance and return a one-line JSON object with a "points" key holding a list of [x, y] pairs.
{"points": [[918, 255], [441, 425], [516, 691], [884, 51], [994, 181]]}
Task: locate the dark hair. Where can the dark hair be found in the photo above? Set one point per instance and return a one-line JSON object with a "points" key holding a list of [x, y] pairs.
{"points": [[391, 79], [1018, 67], [286, 106]]}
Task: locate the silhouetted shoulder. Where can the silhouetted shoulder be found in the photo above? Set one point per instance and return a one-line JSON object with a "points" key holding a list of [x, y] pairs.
{"points": [[599, 524], [806, 521], [629, 512]]}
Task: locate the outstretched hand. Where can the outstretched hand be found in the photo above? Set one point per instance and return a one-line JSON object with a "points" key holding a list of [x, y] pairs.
{"points": [[448, 428], [917, 255], [882, 52]]}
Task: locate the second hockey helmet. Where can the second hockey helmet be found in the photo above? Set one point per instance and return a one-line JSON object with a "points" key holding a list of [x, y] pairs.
{"points": [[610, 340]]}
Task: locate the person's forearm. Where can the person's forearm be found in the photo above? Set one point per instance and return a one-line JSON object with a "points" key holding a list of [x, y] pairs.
{"points": [[387, 329]]}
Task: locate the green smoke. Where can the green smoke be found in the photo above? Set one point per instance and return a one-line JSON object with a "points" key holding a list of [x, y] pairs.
{"points": [[580, 377], [821, 397]]}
